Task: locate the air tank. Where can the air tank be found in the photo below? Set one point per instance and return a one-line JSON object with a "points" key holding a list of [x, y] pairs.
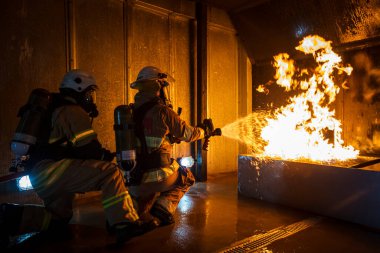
{"points": [[125, 137], [31, 117]]}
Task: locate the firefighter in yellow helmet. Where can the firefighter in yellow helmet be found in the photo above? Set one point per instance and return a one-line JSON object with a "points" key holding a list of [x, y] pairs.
{"points": [[162, 182], [72, 161]]}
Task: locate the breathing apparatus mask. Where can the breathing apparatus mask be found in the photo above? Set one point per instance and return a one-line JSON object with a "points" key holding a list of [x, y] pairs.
{"points": [[88, 102], [165, 93]]}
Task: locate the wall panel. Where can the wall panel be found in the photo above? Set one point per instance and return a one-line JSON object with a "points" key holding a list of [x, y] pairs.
{"points": [[161, 38], [149, 42], [113, 40], [182, 89], [32, 53], [222, 97], [100, 50]]}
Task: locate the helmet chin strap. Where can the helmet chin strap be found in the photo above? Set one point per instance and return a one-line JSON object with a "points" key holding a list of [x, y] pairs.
{"points": [[87, 104], [94, 113], [87, 100], [92, 110]]}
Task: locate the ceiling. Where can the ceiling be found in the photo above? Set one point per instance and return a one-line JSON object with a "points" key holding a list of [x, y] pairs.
{"points": [[234, 6], [268, 27]]}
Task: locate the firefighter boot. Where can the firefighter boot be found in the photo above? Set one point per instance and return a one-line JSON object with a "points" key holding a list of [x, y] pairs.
{"points": [[162, 214], [4, 233], [154, 223], [10, 219], [126, 231]]}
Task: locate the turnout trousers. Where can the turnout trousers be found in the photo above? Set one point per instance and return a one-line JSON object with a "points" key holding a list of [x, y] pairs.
{"points": [[166, 194], [56, 183]]}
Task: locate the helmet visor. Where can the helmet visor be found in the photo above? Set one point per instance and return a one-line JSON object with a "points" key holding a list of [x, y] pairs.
{"points": [[165, 95], [89, 96]]}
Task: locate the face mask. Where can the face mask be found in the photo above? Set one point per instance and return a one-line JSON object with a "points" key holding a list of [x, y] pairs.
{"points": [[88, 103], [90, 96], [165, 96]]}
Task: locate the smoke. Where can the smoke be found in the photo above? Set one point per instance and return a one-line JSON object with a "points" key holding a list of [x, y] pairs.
{"points": [[248, 130], [365, 79]]}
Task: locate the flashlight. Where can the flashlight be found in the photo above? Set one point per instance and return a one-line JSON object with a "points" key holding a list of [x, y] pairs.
{"points": [[187, 161], [23, 183]]}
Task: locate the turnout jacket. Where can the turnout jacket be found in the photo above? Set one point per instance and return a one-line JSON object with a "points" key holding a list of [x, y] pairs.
{"points": [[158, 123], [71, 137], [72, 124]]}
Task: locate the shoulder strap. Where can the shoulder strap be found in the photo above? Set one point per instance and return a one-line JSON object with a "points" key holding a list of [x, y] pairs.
{"points": [[57, 101], [138, 117]]}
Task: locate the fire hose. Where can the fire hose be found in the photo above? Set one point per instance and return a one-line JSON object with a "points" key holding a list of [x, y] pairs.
{"points": [[13, 176]]}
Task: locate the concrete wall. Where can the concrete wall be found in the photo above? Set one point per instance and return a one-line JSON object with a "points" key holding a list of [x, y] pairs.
{"points": [[32, 49], [113, 39], [161, 37], [223, 89]]}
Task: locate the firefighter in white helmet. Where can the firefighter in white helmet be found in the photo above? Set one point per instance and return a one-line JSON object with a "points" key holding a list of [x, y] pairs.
{"points": [[161, 181], [72, 161]]}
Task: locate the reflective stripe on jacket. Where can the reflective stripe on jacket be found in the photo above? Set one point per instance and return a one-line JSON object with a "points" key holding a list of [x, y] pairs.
{"points": [[72, 123], [158, 123]]}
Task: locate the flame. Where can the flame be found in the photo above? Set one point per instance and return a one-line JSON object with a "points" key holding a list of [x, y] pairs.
{"points": [[298, 130], [261, 88], [285, 71], [306, 128]]}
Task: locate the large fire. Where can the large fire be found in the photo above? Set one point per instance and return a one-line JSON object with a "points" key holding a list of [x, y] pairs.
{"points": [[300, 129]]}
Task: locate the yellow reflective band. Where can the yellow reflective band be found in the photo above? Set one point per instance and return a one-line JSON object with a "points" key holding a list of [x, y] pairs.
{"points": [[168, 171], [120, 199], [153, 142], [50, 174], [132, 210], [46, 221], [52, 140], [114, 197], [159, 174], [82, 135], [188, 133]]}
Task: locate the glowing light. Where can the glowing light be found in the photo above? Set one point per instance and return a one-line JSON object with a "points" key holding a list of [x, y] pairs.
{"points": [[187, 161], [23, 183], [305, 128], [301, 30], [185, 205]]}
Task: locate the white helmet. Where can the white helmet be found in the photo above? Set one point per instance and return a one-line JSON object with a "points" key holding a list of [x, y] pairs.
{"points": [[151, 73], [78, 81]]}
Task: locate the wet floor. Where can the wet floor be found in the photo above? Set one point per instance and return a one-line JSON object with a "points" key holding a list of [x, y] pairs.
{"points": [[210, 218]]}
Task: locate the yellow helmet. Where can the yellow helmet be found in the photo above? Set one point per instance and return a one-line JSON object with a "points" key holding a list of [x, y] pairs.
{"points": [[151, 78]]}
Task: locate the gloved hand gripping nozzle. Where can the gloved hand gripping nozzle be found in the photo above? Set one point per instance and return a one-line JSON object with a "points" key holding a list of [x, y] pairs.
{"points": [[210, 131]]}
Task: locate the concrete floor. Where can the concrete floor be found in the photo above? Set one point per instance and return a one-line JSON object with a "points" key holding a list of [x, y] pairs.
{"points": [[210, 218]]}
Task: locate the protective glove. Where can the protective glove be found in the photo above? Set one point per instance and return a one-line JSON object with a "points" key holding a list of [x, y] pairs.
{"points": [[207, 128], [108, 155]]}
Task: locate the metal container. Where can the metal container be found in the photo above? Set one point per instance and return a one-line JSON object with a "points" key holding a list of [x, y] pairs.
{"points": [[347, 190]]}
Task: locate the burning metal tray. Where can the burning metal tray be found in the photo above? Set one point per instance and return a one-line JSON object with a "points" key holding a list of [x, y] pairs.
{"points": [[348, 190], [359, 162]]}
